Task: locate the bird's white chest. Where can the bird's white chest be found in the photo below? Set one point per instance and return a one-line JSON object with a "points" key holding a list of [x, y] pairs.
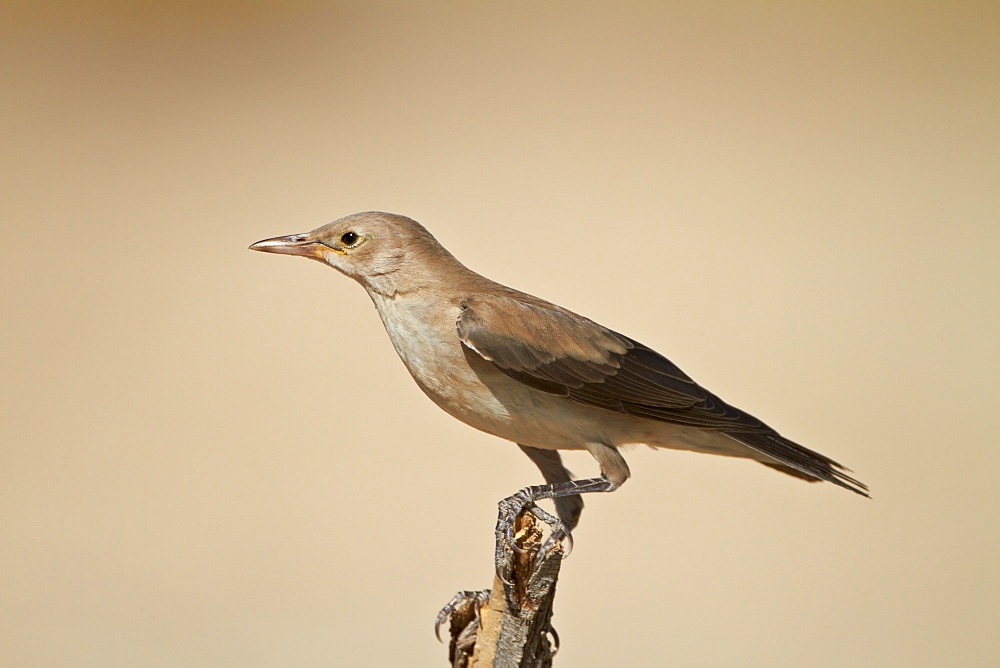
{"points": [[420, 336], [424, 335]]}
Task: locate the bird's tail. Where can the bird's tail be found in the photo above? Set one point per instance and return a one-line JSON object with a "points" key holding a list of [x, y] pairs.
{"points": [[791, 458]]}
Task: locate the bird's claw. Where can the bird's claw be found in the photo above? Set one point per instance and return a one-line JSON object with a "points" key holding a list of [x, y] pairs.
{"points": [[511, 509], [559, 537], [459, 604], [555, 639]]}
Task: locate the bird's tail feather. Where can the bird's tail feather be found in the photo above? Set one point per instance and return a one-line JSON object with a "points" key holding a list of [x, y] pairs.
{"points": [[791, 458]]}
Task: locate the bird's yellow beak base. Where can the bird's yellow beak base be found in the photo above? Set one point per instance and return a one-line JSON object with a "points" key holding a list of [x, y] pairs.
{"points": [[293, 244]]}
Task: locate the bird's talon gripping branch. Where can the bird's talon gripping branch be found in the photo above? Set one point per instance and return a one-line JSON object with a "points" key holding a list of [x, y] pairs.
{"points": [[503, 561], [501, 571], [511, 509], [559, 538], [559, 535], [567, 540], [555, 639], [514, 545], [459, 603]]}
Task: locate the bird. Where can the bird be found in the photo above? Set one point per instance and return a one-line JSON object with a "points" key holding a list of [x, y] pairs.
{"points": [[534, 373]]}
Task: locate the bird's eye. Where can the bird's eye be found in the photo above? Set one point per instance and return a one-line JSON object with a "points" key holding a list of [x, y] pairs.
{"points": [[349, 239]]}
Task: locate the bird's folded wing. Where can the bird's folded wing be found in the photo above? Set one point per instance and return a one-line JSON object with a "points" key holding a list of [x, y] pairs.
{"points": [[554, 350], [557, 351]]}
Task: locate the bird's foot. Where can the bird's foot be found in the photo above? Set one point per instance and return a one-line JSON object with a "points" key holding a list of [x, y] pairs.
{"points": [[526, 546], [464, 610]]}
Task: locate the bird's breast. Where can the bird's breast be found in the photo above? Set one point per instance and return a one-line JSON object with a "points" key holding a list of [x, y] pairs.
{"points": [[424, 335], [469, 388]]}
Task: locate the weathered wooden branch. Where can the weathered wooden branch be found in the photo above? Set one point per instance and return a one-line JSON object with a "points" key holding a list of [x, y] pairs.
{"points": [[515, 632]]}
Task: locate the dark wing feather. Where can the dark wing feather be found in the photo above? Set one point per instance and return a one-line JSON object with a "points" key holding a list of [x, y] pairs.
{"points": [[554, 350], [559, 352]]}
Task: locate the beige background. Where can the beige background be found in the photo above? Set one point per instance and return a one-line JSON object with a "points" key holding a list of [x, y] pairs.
{"points": [[212, 457]]}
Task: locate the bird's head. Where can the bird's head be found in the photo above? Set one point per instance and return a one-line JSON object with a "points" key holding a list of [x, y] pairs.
{"points": [[369, 247]]}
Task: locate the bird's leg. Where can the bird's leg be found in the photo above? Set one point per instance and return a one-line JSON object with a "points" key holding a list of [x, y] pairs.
{"points": [[614, 472], [568, 508]]}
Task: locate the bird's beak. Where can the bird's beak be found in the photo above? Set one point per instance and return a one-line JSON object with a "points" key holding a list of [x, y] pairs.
{"points": [[293, 244]]}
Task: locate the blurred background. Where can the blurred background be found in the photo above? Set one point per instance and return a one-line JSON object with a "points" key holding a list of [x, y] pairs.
{"points": [[212, 457]]}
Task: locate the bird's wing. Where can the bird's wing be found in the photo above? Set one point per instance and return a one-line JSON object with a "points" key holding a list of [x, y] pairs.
{"points": [[556, 351]]}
